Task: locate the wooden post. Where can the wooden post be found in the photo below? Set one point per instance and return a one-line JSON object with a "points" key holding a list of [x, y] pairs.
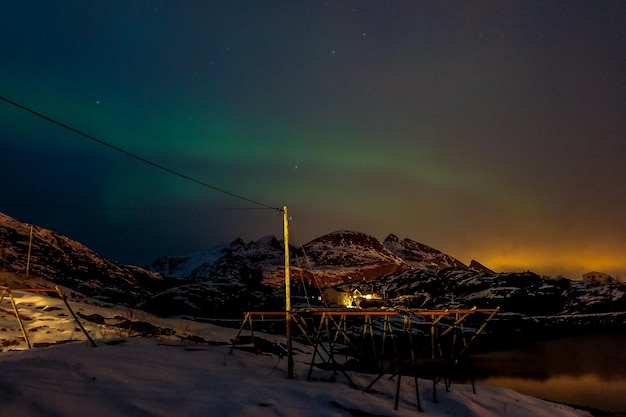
{"points": [[287, 294], [19, 319], [246, 318], [30, 244], [58, 289]]}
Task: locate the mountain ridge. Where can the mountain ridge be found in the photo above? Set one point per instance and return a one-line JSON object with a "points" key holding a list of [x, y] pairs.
{"points": [[55, 256], [238, 276], [339, 256]]}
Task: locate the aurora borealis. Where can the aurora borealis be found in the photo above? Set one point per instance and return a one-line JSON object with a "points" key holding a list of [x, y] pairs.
{"points": [[490, 130]]}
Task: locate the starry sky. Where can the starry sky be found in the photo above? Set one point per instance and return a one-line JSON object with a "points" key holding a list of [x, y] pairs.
{"points": [[490, 130]]}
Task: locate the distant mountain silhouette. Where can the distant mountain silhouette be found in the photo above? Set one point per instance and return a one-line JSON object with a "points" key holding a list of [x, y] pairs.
{"points": [[477, 266], [239, 276]]}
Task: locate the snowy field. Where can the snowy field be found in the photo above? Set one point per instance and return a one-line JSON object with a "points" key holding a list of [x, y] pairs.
{"points": [[168, 376]]}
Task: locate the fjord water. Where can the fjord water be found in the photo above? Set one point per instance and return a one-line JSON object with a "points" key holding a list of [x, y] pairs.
{"points": [[587, 370]]}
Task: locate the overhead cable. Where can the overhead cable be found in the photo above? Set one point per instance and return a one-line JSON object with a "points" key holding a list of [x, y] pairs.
{"points": [[137, 157]]}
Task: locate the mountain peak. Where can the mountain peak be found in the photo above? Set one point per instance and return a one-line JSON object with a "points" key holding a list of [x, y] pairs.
{"points": [[348, 238], [477, 266], [419, 255], [392, 239], [237, 242]]}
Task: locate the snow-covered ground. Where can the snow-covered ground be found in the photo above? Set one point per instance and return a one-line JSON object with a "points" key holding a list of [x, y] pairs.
{"points": [[172, 376], [139, 377]]}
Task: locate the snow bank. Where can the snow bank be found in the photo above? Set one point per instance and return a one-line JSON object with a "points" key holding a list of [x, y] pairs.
{"points": [[170, 376], [140, 377]]}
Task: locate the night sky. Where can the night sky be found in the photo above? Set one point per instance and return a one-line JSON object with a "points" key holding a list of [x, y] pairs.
{"points": [[490, 130]]}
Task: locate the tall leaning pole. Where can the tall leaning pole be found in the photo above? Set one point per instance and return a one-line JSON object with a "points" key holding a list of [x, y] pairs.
{"points": [[287, 294]]}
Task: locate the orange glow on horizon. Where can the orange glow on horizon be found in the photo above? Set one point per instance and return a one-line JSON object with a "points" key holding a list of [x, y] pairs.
{"points": [[552, 262]]}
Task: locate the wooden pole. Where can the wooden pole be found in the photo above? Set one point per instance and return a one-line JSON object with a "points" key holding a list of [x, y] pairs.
{"points": [[30, 244], [287, 294], [19, 319], [64, 298]]}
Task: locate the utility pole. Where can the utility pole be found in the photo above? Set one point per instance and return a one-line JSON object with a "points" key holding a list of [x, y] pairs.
{"points": [[287, 294], [30, 244]]}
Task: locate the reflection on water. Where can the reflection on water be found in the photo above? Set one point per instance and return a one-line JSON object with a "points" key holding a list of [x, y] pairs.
{"points": [[586, 390], [587, 370]]}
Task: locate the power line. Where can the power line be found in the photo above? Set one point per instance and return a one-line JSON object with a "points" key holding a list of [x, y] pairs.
{"points": [[137, 157], [119, 208]]}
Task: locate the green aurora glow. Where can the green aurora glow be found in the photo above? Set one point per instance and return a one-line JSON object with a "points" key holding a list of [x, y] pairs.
{"points": [[495, 135]]}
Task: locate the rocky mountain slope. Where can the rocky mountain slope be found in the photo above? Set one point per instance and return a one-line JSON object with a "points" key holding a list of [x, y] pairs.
{"points": [[420, 256], [337, 257], [404, 272], [530, 305], [524, 292], [238, 276], [68, 262]]}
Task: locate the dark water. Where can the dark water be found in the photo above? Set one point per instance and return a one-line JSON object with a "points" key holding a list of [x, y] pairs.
{"points": [[587, 370]]}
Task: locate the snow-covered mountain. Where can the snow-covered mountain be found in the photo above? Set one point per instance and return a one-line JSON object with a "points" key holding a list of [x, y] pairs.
{"points": [[522, 292], [341, 256], [530, 305], [404, 272], [420, 256], [68, 262], [196, 264], [238, 276], [346, 256]]}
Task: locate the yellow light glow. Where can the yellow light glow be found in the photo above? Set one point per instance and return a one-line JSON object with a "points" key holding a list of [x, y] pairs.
{"points": [[554, 263]]}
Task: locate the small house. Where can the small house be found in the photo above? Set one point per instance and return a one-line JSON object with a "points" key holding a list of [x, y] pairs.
{"points": [[595, 276], [344, 296], [338, 296]]}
